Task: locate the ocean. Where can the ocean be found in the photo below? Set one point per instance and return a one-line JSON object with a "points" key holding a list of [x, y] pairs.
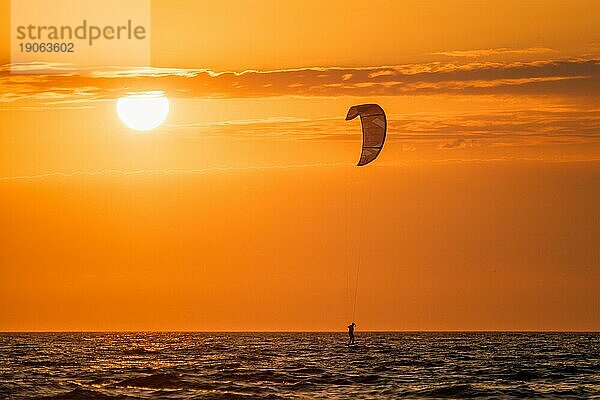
{"points": [[138, 365]]}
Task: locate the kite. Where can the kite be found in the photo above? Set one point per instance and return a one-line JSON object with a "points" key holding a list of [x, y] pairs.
{"points": [[374, 126]]}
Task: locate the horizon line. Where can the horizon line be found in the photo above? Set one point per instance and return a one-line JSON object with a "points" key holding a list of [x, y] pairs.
{"points": [[303, 331]]}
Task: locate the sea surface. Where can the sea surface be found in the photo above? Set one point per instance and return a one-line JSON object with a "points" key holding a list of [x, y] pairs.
{"points": [[299, 365]]}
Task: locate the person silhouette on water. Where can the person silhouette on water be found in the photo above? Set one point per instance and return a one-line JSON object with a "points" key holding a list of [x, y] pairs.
{"points": [[351, 333]]}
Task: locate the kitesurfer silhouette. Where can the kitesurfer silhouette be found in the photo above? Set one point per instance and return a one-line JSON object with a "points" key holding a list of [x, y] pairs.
{"points": [[351, 333], [374, 127]]}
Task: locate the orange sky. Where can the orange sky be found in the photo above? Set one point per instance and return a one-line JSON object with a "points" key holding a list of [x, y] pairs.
{"points": [[244, 210]]}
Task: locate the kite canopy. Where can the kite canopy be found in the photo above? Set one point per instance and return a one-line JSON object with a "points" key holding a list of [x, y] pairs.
{"points": [[374, 126]]}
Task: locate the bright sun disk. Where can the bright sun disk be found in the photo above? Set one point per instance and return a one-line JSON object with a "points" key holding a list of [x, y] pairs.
{"points": [[143, 111]]}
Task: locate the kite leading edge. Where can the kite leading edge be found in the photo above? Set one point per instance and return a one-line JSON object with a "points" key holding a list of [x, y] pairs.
{"points": [[374, 126]]}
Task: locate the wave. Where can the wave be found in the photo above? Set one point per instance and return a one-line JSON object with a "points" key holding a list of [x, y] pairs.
{"points": [[81, 393], [154, 381], [138, 351], [461, 391]]}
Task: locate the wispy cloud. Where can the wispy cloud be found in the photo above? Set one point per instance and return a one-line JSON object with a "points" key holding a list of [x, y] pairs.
{"points": [[577, 77], [501, 51], [189, 171]]}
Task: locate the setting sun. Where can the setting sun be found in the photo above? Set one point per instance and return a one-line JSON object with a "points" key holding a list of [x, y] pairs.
{"points": [[143, 111]]}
